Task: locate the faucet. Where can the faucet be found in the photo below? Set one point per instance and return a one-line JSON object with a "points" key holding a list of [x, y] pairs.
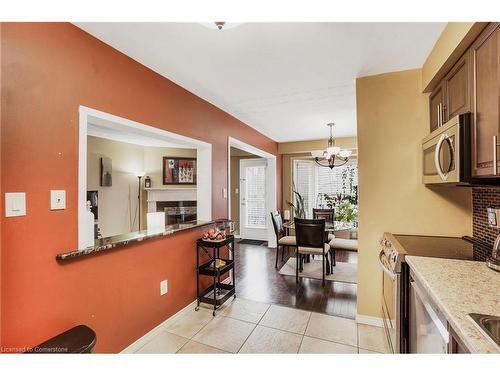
{"points": [[494, 261]]}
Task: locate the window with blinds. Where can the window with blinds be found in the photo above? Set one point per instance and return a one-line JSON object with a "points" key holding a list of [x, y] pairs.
{"points": [[311, 180], [304, 184], [255, 197]]}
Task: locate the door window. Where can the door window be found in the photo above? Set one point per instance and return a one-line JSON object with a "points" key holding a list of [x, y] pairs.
{"points": [[255, 196]]}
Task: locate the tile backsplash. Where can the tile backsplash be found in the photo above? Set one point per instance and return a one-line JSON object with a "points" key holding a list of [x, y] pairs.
{"points": [[482, 198]]}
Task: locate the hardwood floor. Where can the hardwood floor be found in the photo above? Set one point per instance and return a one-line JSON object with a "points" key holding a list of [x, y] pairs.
{"points": [[258, 280]]}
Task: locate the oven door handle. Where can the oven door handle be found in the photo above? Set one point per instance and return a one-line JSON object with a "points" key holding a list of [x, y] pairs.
{"points": [[386, 270]]}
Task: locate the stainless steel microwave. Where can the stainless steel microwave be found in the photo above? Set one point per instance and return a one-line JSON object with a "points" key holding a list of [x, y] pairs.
{"points": [[446, 153]]}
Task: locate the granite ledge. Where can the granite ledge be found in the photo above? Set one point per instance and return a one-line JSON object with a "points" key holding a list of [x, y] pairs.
{"points": [[122, 240]]}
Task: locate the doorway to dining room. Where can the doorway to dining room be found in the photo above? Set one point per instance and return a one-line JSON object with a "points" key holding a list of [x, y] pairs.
{"points": [[313, 188], [256, 276]]}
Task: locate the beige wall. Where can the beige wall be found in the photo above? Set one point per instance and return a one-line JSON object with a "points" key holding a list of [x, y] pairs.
{"points": [[299, 150], [153, 162], [318, 144], [392, 119], [118, 203]]}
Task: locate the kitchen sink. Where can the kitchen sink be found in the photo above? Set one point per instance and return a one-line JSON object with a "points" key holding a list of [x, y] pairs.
{"points": [[489, 324]]}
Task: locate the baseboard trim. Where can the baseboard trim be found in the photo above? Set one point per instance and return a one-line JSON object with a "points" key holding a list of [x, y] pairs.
{"points": [[139, 343], [369, 320]]}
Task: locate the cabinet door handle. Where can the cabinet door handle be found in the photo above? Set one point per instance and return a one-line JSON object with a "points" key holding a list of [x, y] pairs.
{"points": [[495, 145], [438, 117], [440, 114]]}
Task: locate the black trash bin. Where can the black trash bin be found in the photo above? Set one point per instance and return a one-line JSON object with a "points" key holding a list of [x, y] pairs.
{"points": [[79, 339]]}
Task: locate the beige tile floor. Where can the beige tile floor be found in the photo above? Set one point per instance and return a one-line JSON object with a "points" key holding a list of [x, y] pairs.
{"points": [[243, 326]]}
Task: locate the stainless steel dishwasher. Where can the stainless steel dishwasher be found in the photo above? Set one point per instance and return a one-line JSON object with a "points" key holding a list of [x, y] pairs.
{"points": [[428, 326]]}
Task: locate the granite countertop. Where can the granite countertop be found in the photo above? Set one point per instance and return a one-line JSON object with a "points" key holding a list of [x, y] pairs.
{"points": [[108, 243], [460, 287]]}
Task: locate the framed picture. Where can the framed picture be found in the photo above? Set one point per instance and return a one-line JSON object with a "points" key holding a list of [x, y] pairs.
{"points": [[106, 171], [179, 171]]}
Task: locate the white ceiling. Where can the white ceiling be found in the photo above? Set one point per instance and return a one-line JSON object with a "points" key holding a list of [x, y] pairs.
{"points": [[287, 80]]}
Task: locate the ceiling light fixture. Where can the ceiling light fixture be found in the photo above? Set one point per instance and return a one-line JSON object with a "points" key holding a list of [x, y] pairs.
{"points": [[220, 25], [333, 156]]}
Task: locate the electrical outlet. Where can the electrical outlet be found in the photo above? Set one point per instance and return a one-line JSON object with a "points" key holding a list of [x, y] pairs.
{"points": [[163, 287]]}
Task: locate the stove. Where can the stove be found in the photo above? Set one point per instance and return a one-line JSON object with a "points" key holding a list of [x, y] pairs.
{"points": [[395, 286], [397, 246]]}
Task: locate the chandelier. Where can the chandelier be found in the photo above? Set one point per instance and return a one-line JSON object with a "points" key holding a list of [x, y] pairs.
{"points": [[333, 156]]}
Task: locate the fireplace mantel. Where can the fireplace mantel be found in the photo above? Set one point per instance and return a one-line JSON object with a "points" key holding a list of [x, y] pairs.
{"points": [[169, 194]]}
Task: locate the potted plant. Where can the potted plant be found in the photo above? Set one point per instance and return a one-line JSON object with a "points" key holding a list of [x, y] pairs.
{"points": [[298, 208]]}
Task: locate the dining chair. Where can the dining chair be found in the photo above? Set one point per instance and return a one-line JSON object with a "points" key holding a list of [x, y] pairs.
{"points": [[325, 213], [329, 215], [341, 244], [310, 236], [282, 241]]}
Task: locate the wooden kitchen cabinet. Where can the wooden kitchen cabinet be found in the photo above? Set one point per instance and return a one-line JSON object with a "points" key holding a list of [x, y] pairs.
{"points": [[436, 103], [452, 96], [473, 85], [484, 54], [456, 86]]}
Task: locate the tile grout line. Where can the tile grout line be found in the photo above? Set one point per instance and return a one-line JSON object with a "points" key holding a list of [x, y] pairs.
{"points": [[311, 311], [307, 325], [211, 346], [334, 342], [155, 336], [182, 346], [257, 324], [191, 338], [357, 336]]}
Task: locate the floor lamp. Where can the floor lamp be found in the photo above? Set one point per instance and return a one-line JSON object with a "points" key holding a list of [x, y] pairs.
{"points": [[139, 176]]}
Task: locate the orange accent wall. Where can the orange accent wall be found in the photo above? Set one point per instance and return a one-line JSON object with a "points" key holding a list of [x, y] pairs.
{"points": [[48, 70]]}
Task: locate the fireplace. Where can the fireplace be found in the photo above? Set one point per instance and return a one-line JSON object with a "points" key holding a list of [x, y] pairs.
{"points": [[179, 204], [177, 211]]}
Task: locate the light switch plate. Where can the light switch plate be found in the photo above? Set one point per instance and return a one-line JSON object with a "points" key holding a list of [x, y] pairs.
{"points": [[15, 204], [57, 199], [224, 193], [163, 287]]}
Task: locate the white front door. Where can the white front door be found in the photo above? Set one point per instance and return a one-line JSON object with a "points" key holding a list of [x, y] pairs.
{"points": [[253, 210]]}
